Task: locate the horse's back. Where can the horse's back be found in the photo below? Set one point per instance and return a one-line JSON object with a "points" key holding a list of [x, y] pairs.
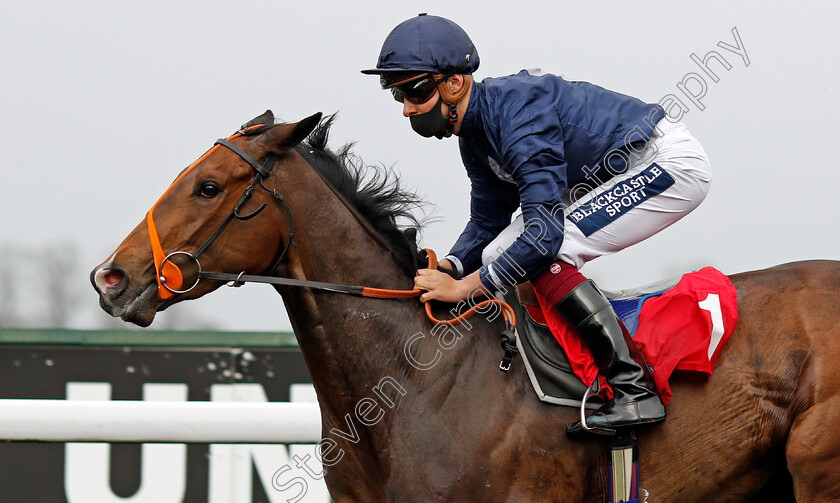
{"points": [[791, 277]]}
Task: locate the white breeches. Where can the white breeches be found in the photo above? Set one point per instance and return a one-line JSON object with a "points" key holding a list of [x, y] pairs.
{"points": [[631, 206]]}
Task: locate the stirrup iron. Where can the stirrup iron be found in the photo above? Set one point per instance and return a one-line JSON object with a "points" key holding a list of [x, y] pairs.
{"points": [[591, 391]]}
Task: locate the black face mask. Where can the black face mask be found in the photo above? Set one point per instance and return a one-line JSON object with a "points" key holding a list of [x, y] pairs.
{"points": [[431, 123]]}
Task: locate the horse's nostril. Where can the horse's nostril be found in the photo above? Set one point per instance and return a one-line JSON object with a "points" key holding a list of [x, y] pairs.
{"points": [[110, 281], [112, 277]]}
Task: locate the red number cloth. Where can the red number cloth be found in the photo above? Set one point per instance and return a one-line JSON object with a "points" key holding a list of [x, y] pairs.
{"points": [[685, 328]]}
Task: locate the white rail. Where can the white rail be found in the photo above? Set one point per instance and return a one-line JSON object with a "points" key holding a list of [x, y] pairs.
{"points": [[170, 422]]}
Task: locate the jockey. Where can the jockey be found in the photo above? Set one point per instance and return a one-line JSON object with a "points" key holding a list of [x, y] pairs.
{"points": [[593, 172]]}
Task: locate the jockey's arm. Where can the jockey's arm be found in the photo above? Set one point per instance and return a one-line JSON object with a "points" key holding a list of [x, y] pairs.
{"points": [[492, 202], [542, 181]]}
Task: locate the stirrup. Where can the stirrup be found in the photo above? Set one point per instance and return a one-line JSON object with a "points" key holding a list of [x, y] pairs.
{"points": [[591, 391]]}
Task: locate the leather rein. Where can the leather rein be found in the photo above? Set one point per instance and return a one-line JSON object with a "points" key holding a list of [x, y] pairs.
{"points": [[170, 278]]}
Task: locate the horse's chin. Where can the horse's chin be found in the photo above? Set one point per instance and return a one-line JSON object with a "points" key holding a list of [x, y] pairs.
{"points": [[140, 318], [139, 309]]}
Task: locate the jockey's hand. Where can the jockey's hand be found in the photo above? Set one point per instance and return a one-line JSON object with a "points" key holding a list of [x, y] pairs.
{"points": [[445, 266], [443, 287]]}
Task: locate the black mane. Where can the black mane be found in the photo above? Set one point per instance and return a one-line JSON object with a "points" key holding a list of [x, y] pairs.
{"points": [[374, 191]]}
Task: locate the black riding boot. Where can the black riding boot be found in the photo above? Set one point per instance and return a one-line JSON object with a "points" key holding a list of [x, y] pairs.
{"points": [[636, 401]]}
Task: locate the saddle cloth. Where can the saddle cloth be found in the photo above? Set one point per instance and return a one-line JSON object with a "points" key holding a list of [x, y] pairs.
{"points": [[678, 324]]}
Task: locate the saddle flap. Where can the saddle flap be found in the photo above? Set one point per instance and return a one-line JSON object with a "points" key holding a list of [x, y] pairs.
{"points": [[548, 367]]}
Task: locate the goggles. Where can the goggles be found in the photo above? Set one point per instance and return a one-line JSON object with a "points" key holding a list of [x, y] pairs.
{"points": [[416, 90]]}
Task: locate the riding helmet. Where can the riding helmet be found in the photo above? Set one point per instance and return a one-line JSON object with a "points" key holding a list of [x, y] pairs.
{"points": [[426, 44]]}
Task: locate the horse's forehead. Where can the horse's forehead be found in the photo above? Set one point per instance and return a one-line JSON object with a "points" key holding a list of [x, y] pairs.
{"points": [[225, 162]]}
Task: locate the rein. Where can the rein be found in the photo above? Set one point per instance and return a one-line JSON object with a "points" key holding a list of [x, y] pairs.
{"points": [[170, 279]]}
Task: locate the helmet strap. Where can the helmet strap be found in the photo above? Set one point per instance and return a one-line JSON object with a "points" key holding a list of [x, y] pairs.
{"points": [[453, 116], [452, 99], [449, 97]]}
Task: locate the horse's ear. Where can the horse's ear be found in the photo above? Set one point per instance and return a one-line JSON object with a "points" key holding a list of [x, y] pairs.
{"points": [[288, 135], [267, 118]]}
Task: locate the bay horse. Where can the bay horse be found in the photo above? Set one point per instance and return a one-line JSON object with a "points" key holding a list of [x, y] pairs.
{"points": [[456, 429]]}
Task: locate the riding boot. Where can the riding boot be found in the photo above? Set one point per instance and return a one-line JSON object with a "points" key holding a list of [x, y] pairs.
{"points": [[635, 401]]}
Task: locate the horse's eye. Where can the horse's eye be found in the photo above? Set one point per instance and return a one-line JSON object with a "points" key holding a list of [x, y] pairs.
{"points": [[209, 190]]}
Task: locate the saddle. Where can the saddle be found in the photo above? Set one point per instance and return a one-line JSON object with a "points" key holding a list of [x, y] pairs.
{"points": [[545, 360], [682, 299]]}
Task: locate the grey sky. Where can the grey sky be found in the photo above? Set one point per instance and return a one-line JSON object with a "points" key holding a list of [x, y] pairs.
{"points": [[103, 103]]}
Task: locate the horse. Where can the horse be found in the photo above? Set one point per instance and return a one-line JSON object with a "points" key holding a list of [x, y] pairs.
{"points": [[411, 412]]}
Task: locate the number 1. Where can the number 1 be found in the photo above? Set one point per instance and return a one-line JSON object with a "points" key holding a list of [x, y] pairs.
{"points": [[712, 304]]}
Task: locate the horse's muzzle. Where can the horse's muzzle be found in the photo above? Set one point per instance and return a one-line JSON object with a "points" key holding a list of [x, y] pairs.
{"points": [[133, 303], [110, 281]]}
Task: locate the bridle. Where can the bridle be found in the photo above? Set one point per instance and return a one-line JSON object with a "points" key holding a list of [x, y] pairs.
{"points": [[170, 278], [169, 275]]}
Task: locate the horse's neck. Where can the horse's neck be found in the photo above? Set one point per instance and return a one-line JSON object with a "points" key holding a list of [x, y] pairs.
{"points": [[377, 365], [388, 380], [350, 343]]}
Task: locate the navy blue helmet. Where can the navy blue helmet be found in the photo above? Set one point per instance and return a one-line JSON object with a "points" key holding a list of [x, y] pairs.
{"points": [[426, 44]]}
